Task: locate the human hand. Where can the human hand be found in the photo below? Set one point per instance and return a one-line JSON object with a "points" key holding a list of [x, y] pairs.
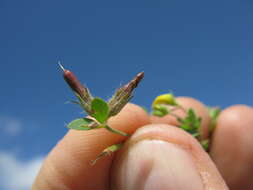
{"points": [[156, 156]]}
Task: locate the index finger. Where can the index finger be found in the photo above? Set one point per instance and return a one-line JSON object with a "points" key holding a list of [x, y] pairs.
{"points": [[67, 166]]}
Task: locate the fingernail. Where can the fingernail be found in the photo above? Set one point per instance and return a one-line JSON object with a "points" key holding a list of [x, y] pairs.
{"points": [[156, 164]]}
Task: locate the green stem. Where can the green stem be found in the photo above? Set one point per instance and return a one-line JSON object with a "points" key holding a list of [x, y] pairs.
{"points": [[116, 131]]}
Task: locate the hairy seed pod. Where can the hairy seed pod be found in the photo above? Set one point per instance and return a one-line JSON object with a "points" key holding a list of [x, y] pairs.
{"points": [[80, 90], [73, 82], [123, 95]]}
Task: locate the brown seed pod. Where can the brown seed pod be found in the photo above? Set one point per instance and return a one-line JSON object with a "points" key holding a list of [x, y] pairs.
{"points": [[80, 90], [123, 95]]}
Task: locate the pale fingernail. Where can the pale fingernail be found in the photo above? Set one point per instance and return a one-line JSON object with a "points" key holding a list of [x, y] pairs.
{"points": [[156, 164]]}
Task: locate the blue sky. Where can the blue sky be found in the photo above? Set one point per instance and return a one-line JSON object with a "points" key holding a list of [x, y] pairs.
{"points": [[202, 49]]}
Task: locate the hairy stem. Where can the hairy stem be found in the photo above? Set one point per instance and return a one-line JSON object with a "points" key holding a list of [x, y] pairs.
{"points": [[116, 131]]}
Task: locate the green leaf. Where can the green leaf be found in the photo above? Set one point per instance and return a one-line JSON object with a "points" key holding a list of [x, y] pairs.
{"points": [[191, 123], [213, 113], [205, 144], [81, 124], [100, 109]]}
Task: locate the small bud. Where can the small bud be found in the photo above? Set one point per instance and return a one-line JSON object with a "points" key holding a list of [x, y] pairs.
{"points": [[160, 110], [123, 95], [167, 99], [80, 90]]}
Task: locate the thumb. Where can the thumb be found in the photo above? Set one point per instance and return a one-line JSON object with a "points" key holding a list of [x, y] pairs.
{"points": [[164, 157]]}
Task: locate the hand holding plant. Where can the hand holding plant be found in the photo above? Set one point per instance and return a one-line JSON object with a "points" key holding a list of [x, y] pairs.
{"points": [[100, 111], [158, 155]]}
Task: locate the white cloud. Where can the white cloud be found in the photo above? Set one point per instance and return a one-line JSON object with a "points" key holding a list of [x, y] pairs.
{"points": [[10, 126], [16, 174]]}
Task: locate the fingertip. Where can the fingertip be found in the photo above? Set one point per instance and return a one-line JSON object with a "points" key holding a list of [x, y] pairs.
{"points": [[233, 120], [234, 113], [232, 146], [134, 168]]}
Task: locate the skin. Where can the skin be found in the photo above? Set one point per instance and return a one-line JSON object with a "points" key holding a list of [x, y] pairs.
{"points": [[67, 165]]}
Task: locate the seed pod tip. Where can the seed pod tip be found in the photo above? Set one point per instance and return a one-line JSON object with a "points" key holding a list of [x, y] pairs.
{"points": [[60, 65]]}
